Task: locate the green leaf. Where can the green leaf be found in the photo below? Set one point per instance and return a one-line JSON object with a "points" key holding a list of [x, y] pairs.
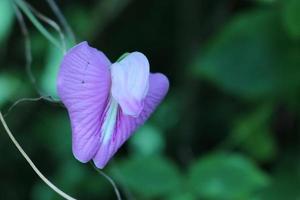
{"points": [[286, 179], [147, 141], [149, 177], [252, 58], [267, 1], [168, 109], [291, 18], [182, 196], [122, 56], [226, 176], [7, 18], [40, 191], [9, 86], [252, 133]]}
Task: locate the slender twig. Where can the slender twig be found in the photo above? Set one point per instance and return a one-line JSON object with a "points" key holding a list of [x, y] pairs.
{"points": [[52, 186], [28, 55], [20, 101], [51, 23], [47, 98], [105, 11], [62, 20], [110, 180], [22, 5], [116, 172]]}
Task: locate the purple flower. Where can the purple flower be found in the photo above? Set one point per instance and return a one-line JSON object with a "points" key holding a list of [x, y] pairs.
{"points": [[106, 102]]}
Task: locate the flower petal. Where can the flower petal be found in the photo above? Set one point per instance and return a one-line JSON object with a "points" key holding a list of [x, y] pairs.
{"points": [[125, 125], [130, 82], [83, 85]]}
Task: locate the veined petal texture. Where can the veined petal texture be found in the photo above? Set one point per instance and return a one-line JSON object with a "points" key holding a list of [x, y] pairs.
{"points": [[125, 125], [106, 103], [83, 85]]}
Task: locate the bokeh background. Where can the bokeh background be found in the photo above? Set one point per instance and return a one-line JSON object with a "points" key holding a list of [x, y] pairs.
{"points": [[227, 130]]}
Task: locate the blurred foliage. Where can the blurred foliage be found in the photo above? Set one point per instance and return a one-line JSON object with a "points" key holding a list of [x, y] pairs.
{"points": [[253, 58], [228, 129], [11, 82], [7, 17], [148, 140], [291, 18], [149, 177], [253, 130], [223, 176], [48, 81]]}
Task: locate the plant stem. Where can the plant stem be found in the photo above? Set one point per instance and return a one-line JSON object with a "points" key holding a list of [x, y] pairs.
{"points": [[63, 21], [36, 23], [53, 187], [110, 181]]}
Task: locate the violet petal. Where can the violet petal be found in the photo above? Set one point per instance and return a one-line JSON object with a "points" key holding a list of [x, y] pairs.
{"points": [[126, 125], [83, 85]]}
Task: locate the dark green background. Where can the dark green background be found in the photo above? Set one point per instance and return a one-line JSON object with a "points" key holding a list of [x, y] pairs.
{"points": [[227, 130]]}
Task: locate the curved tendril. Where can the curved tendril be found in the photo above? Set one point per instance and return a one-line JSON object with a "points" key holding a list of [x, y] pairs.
{"points": [[21, 101], [46, 98], [62, 21], [51, 185], [28, 55], [51, 23], [23, 6], [111, 181], [25, 33]]}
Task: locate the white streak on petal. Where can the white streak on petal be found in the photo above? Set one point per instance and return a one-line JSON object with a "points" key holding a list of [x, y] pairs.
{"points": [[130, 82], [109, 122], [126, 125]]}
